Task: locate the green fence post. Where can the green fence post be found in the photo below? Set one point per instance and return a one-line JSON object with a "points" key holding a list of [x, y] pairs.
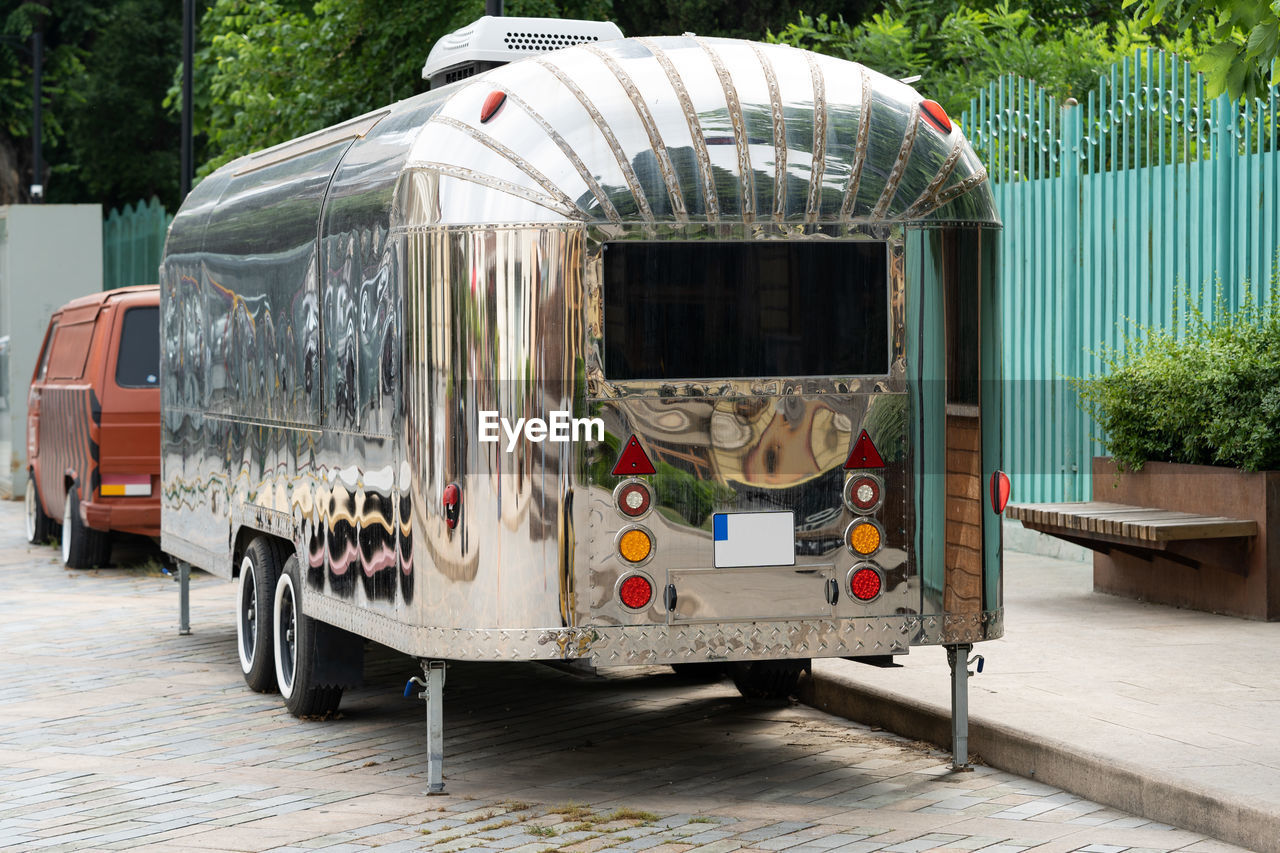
{"points": [[1069, 300], [1224, 203]]}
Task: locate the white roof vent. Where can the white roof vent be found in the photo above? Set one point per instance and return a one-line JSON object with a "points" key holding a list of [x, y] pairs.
{"points": [[490, 42]]}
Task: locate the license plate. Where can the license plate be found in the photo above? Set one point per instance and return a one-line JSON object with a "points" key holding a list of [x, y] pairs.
{"points": [[754, 539]]}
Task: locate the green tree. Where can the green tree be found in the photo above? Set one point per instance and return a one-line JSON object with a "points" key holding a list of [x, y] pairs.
{"points": [[957, 48], [121, 143], [1246, 36], [747, 19], [105, 136], [278, 69], [65, 25]]}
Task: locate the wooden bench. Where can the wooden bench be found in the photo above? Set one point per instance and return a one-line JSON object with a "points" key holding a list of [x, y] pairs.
{"points": [[1182, 537]]}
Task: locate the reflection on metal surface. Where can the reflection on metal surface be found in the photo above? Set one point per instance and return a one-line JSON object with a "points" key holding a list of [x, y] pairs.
{"points": [[710, 197], [741, 140], [860, 149], [650, 128], [812, 206], [335, 321], [572, 156], [899, 164], [779, 135], [624, 163]]}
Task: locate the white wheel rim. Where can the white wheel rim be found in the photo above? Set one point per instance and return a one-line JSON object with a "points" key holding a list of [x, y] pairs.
{"points": [[31, 510], [247, 616], [284, 620], [66, 529]]}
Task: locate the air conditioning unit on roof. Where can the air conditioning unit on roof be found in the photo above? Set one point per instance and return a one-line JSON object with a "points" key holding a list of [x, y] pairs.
{"points": [[493, 41]]}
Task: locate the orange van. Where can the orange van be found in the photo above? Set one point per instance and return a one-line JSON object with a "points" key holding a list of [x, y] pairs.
{"points": [[93, 424]]}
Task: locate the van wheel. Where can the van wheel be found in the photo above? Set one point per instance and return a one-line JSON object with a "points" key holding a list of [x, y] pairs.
{"points": [[258, 573], [82, 547], [767, 679], [39, 525], [295, 650]]}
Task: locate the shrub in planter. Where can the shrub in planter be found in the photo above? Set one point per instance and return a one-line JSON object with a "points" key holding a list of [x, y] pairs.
{"points": [[1203, 393]]}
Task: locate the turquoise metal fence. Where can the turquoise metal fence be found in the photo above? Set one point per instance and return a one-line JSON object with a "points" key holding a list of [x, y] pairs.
{"points": [[132, 243], [1112, 208]]}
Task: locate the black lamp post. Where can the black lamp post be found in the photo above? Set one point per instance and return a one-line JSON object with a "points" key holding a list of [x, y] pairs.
{"points": [[37, 166], [188, 54]]}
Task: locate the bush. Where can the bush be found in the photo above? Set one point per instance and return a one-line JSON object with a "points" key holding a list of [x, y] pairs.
{"points": [[1204, 393]]}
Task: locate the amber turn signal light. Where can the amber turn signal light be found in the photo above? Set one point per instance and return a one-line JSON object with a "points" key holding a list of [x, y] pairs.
{"points": [[635, 545], [863, 537]]}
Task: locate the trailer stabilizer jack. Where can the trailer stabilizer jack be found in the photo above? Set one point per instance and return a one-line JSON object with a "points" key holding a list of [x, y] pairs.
{"points": [[960, 703], [433, 694]]}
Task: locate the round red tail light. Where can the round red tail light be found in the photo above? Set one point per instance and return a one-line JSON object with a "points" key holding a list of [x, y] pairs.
{"points": [[635, 591], [633, 498], [865, 583], [862, 493]]}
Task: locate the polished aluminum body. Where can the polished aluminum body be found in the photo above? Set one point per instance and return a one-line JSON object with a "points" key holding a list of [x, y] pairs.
{"points": [[338, 311]]}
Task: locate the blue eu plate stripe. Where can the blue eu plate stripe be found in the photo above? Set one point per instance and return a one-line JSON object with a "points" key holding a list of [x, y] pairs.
{"points": [[721, 523]]}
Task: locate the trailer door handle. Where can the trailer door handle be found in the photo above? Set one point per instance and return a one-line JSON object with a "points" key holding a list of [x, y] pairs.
{"points": [[833, 591], [669, 597]]}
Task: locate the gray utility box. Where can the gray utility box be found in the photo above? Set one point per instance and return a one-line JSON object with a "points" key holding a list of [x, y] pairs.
{"points": [[49, 255]]}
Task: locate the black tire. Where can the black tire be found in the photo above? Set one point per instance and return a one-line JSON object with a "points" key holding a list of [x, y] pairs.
{"points": [[39, 526], [257, 585], [702, 673], [82, 546], [767, 679], [295, 649]]}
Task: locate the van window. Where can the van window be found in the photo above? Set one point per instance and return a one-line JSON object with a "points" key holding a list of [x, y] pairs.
{"points": [[721, 310], [43, 364], [138, 365], [70, 350]]}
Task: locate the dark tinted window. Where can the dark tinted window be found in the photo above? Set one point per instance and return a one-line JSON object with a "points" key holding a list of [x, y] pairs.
{"points": [[738, 310], [139, 362]]}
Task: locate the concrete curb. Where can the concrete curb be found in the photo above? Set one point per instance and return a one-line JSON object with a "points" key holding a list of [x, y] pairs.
{"points": [[1071, 767]]}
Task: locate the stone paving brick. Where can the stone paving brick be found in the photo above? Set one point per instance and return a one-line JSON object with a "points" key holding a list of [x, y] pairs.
{"points": [[161, 748]]}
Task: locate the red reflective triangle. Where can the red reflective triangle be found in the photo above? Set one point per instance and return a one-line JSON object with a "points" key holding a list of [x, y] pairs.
{"points": [[864, 454], [633, 460]]}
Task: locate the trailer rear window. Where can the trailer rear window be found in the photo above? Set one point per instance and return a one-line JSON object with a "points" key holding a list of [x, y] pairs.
{"points": [[704, 310], [139, 363]]}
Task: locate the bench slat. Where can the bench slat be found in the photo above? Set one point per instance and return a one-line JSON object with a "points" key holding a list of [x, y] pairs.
{"points": [[1134, 523]]}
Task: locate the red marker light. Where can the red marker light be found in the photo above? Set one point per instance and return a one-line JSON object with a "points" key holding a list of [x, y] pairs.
{"points": [[636, 592], [452, 503], [492, 104], [864, 454], [633, 460], [933, 113], [865, 584], [999, 491]]}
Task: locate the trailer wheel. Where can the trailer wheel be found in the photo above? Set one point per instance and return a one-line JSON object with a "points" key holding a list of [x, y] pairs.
{"points": [[767, 679], [82, 547], [258, 572], [295, 650], [39, 525]]}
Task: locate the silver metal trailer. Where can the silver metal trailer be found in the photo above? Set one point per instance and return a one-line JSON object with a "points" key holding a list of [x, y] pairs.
{"points": [[754, 291]]}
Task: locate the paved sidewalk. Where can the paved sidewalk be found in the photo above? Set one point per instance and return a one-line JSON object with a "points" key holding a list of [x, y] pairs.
{"points": [[116, 734], [1171, 714]]}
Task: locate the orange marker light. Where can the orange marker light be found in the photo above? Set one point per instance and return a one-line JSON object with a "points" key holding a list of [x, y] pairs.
{"points": [[863, 537], [635, 546]]}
